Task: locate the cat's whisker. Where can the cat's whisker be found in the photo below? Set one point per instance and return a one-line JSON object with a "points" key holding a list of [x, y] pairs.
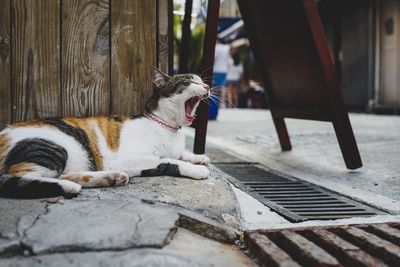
{"points": [[215, 101], [222, 99], [205, 70], [195, 69]]}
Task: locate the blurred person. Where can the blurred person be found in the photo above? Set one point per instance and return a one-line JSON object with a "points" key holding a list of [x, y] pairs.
{"points": [[221, 59], [233, 77]]}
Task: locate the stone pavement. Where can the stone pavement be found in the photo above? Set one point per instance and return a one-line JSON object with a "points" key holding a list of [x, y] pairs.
{"points": [[141, 224], [167, 221]]}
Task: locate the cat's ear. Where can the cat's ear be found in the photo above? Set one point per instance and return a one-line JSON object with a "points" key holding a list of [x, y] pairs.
{"points": [[159, 78]]}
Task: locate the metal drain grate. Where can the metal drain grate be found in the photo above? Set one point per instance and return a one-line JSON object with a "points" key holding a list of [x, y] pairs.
{"points": [[356, 245], [294, 199]]}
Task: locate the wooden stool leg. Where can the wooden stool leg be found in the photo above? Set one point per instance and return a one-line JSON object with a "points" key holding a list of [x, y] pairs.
{"points": [[347, 143], [207, 67], [282, 132]]}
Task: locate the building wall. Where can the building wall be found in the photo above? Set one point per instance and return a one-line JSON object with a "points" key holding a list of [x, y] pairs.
{"points": [[364, 36], [389, 38], [350, 32]]}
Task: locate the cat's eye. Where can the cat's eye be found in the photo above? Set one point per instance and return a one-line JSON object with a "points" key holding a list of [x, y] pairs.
{"points": [[199, 83]]}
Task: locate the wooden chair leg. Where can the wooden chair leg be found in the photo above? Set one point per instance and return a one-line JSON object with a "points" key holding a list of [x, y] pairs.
{"points": [[347, 143], [282, 132], [207, 67]]}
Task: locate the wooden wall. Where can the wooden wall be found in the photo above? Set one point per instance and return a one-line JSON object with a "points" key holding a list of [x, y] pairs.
{"points": [[79, 57]]}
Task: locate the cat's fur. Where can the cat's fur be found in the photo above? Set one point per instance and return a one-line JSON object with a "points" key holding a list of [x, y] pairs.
{"points": [[56, 156]]}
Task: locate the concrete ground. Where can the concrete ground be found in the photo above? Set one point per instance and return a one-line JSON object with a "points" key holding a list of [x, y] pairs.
{"points": [[316, 156], [153, 221], [169, 221]]}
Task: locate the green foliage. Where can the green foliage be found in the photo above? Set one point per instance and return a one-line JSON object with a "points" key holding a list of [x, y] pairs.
{"points": [[196, 42], [196, 46]]}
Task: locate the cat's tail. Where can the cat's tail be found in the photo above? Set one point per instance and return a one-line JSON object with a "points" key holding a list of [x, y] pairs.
{"points": [[18, 187]]}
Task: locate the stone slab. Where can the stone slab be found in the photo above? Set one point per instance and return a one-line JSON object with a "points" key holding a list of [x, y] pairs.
{"points": [[200, 249], [132, 258], [99, 225], [206, 227], [212, 198], [16, 216]]}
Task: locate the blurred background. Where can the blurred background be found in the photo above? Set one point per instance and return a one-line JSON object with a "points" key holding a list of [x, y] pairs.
{"points": [[363, 36]]}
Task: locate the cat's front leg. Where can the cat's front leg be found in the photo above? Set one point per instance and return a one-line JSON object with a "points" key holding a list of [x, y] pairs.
{"points": [[97, 179], [190, 170], [170, 167], [194, 158]]}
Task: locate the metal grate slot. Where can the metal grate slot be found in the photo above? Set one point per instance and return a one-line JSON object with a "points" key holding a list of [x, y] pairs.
{"points": [[356, 245], [294, 199]]}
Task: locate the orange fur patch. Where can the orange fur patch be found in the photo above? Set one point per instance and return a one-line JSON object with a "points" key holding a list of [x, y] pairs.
{"points": [[76, 177], [34, 123], [22, 168], [5, 143], [111, 129], [86, 124], [86, 178]]}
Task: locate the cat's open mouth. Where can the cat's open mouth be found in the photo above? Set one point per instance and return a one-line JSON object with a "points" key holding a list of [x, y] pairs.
{"points": [[190, 108]]}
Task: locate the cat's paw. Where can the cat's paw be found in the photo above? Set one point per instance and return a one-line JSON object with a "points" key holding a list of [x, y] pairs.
{"points": [[118, 178], [199, 172], [200, 159], [69, 188]]}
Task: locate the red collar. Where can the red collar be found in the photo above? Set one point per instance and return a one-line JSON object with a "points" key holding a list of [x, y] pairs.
{"points": [[163, 123]]}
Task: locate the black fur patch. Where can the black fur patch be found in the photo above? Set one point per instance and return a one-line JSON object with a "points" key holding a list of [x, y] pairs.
{"points": [[15, 187], [176, 84], [78, 134], [163, 169], [116, 118], [136, 116], [40, 151]]}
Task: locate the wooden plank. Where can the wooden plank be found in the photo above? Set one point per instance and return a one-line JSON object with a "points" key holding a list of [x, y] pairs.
{"points": [[5, 64], [35, 72], [340, 120], [283, 134], [289, 44], [163, 42], [133, 54], [85, 58]]}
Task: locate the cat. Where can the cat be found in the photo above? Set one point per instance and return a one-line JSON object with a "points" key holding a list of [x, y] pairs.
{"points": [[59, 156]]}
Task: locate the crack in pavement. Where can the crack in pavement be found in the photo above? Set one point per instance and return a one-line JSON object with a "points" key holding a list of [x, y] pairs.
{"points": [[25, 248]]}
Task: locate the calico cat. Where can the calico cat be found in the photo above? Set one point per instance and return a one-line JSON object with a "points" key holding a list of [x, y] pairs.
{"points": [[54, 156]]}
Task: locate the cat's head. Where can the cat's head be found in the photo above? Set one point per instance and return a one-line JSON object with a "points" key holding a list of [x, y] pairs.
{"points": [[176, 97]]}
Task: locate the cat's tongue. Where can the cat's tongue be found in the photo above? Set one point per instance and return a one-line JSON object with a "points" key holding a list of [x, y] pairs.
{"points": [[190, 108]]}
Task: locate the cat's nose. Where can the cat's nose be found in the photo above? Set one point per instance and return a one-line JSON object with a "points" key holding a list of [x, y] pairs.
{"points": [[206, 87]]}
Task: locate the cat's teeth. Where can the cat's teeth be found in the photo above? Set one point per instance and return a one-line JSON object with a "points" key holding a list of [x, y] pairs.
{"points": [[194, 108]]}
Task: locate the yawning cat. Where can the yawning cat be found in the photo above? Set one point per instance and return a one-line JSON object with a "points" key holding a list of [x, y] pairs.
{"points": [[54, 156]]}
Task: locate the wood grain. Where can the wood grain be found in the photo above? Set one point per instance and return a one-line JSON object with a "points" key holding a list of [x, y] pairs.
{"points": [[5, 64], [35, 53], [162, 24], [133, 54], [85, 58], [55, 56]]}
